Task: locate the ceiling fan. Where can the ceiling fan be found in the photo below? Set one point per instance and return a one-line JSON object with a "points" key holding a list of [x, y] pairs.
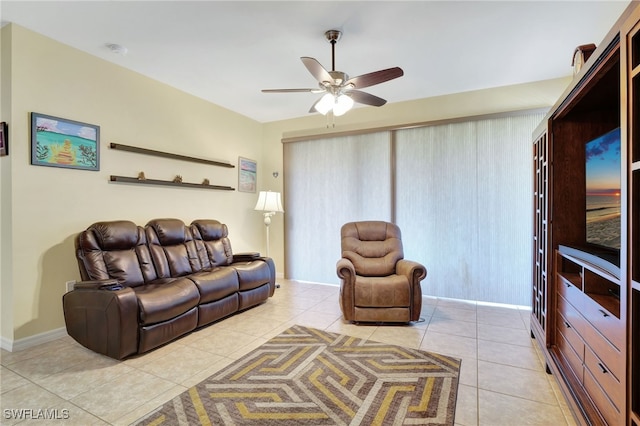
{"points": [[340, 91]]}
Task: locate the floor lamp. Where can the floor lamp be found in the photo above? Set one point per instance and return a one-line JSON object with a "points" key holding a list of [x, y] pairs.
{"points": [[269, 203]]}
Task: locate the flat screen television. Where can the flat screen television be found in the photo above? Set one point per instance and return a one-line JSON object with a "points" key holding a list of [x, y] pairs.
{"points": [[603, 173]]}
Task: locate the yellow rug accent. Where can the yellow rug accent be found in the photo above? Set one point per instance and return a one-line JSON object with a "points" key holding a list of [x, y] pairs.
{"points": [[313, 377]]}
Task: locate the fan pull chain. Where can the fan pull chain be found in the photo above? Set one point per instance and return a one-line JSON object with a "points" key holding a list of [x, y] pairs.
{"points": [[333, 119]]}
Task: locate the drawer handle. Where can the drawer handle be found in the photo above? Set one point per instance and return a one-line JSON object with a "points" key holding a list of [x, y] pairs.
{"points": [[603, 368], [604, 314], [566, 324]]}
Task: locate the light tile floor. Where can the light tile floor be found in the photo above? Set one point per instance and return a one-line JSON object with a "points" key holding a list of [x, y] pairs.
{"points": [[502, 379]]}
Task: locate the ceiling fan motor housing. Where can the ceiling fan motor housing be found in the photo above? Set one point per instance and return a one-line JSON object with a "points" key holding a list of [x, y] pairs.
{"points": [[339, 77]]}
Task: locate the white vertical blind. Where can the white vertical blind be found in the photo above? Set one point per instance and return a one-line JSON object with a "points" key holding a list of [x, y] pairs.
{"points": [[464, 196], [330, 182], [505, 173], [462, 201], [437, 207]]}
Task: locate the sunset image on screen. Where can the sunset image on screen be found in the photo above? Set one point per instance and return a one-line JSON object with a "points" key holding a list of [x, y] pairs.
{"points": [[603, 190]]}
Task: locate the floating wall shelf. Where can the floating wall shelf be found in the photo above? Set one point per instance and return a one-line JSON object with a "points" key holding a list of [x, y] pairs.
{"points": [[145, 151], [125, 179]]}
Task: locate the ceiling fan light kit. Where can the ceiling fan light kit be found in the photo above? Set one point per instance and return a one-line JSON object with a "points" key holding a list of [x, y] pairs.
{"points": [[338, 104], [340, 91]]}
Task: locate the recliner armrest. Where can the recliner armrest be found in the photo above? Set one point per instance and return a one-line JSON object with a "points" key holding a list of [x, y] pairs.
{"points": [[415, 271], [345, 269], [110, 284]]}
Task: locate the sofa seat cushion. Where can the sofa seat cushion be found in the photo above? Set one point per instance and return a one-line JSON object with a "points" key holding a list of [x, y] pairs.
{"points": [[382, 292], [215, 284], [252, 274], [162, 302]]}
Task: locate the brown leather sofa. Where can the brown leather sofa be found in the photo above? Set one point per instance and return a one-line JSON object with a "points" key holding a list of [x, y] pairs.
{"points": [[143, 287], [376, 283]]}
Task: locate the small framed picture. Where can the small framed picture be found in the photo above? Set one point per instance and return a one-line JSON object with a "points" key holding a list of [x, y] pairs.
{"points": [[247, 175], [4, 139], [59, 142]]}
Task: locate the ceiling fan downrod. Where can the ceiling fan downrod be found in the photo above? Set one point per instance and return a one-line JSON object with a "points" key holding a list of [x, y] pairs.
{"points": [[332, 37]]}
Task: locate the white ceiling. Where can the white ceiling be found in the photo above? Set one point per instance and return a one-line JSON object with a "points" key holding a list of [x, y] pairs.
{"points": [[226, 52]]}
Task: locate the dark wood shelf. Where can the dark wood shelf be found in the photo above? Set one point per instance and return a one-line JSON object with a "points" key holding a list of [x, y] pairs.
{"points": [[125, 179], [155, 153]]}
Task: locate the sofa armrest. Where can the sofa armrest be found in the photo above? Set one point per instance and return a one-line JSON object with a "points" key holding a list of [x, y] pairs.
{"points": [[110, 284], [254, 259], [101, 320], [246, 257]]}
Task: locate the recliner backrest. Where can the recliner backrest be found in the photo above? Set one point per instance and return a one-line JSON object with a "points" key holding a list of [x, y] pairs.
{"points": [[374, 247], [114, 250], [213, 243], [172, 248]]}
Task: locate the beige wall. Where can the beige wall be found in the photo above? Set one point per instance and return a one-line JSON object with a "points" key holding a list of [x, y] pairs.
{"points": [[44, 207], [6, 322]]}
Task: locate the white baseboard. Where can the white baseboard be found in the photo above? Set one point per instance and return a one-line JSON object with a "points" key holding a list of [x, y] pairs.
{"points": [[28, 342]]}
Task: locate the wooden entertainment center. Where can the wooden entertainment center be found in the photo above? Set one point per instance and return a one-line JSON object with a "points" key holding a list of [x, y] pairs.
{"points": [[586, 307]]}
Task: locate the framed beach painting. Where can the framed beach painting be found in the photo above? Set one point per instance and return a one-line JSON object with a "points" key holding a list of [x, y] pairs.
{"points": [[247, 175], [59, 142]]}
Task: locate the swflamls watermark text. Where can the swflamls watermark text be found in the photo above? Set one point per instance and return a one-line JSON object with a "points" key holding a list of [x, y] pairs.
{"points": [[35, 414]]}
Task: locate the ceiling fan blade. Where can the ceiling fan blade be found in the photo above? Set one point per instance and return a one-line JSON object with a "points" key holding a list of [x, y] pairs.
{"points": [[376, 77], [366, 98], [288, 90], [317, 70]]}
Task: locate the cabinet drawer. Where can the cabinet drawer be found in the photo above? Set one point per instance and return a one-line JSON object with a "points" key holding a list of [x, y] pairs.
{"points": [[605, 351], [607, 381], [570, 292], [572, 316], [567, 352], [570, 335], [605, 322], [607, 409]]}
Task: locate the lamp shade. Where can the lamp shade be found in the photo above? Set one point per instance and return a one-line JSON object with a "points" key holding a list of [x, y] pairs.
{"points": [[269, 202]]}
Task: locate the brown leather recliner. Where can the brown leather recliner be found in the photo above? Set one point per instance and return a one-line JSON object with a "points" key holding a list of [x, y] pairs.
{"points": [[376, 283]]}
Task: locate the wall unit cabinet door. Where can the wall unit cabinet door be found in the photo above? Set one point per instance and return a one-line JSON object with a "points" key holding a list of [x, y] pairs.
{"points": [[540, 302]]}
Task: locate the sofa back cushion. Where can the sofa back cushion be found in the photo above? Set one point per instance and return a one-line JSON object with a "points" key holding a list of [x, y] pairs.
{"points": [[114, 250], [213, 242], [172, 248], [374, 247]]}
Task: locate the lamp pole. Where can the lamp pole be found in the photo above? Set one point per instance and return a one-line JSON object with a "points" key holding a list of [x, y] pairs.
{"points": [[267, 222]]}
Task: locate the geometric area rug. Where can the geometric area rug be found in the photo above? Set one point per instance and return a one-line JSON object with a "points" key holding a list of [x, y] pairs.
{"points": [[306, 376]]}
